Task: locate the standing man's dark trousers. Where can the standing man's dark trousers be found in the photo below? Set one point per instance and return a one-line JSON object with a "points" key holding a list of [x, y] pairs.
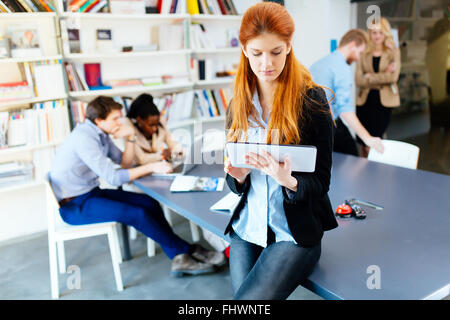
{"points": [[343, 140]]}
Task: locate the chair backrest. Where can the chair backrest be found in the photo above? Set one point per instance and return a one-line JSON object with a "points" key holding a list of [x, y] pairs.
{"points": [[396, 153], [53, 217]]}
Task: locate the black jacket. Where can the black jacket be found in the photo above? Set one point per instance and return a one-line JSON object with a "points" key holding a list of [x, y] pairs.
{"points": [[308, 210]]}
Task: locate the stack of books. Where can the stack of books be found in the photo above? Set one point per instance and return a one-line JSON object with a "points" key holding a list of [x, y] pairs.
{"points": [[217, 7], [12, 91], [87, 5], [211, 103], [175, 107], [15, 172], [44, 123], [26, 6]]}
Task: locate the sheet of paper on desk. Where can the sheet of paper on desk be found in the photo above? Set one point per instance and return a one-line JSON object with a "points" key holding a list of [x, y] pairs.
{"points": [[194, 183], [227, 203]]}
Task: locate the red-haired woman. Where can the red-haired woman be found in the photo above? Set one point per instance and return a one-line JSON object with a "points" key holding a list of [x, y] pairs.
{"points": [[276, 229]]}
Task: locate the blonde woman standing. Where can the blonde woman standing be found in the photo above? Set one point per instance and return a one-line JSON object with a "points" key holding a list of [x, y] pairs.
{"points": [[376, 78]]}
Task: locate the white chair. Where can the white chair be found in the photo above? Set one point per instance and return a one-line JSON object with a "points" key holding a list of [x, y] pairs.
{"points": [[396, 153], [59, 231]]}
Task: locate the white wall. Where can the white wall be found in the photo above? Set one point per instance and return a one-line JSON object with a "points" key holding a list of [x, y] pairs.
{"points": [[316, 23]]}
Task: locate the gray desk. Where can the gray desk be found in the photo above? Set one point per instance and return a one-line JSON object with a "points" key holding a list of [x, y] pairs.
{"points": [[408, 241]]}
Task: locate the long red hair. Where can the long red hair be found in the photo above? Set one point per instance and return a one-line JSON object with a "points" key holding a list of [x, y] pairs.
{"points": [[292, 83]]}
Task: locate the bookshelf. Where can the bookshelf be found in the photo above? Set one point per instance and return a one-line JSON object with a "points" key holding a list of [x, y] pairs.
{"points": [[128, 30]]}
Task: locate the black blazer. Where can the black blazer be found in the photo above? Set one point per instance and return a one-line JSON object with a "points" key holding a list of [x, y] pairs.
{"points": [[308, 210]]}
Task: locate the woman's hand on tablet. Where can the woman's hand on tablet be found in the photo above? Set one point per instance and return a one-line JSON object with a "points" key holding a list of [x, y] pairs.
{"points": [[281, 172], [238, 173]]}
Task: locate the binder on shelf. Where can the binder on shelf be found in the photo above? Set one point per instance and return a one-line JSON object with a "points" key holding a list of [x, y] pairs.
{"points": [[192, 7], [93, 75]]}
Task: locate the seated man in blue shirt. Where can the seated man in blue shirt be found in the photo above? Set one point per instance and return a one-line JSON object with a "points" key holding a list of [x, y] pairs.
{"points": [[86, 155], [334, 72]]}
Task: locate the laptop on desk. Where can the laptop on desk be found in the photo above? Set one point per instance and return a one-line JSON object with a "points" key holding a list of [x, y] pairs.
{"points": [[188, 164]]}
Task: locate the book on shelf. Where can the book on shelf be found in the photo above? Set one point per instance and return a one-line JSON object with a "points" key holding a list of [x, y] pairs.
{"points": [[170, 36], [215, 7], [24, 41], [13, 91], [104, 43], [200, 38], [123, 83], [93, 76], [48, 77], [4, 118], [127, 7], [4, 8], [175, 107], [74, 40], [27, 6], [15, 172], [152, 81], [45, 122], [77, 112], [211, 103], [85, 5], [175, 78]]}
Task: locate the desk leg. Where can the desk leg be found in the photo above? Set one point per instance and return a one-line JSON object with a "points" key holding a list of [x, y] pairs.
{"points": [[126, 242]]}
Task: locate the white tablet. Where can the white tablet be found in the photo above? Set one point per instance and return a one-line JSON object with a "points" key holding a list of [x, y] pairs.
{"points": [[303, 158]]}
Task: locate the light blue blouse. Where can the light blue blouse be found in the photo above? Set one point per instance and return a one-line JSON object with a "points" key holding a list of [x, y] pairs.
{"points": [[264, 204]]}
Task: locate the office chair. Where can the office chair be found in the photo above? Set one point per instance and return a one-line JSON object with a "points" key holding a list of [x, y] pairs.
{"points": [[396, 153]]}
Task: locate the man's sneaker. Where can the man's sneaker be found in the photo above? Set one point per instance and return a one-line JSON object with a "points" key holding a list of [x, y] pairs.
{"points": [[184, 264], [215, 258]]}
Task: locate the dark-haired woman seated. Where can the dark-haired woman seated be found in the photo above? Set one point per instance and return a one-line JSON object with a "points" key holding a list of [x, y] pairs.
{"points": [[153, 141]]}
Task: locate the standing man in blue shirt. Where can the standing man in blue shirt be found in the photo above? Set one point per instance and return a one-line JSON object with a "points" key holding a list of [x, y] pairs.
{"points": [[335, 73], [86, 155]]}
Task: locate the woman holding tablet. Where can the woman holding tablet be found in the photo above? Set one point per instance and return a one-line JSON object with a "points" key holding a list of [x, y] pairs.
{"points": [[277, 227]]}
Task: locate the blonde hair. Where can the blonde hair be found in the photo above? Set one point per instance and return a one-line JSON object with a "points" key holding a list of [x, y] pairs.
{"points": [[385, 28]]}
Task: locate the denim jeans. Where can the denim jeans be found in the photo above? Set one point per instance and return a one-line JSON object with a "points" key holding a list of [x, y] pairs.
{"points": [[270, 273], [134, 209]]}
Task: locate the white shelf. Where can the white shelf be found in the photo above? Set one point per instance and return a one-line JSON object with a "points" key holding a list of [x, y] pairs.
{"points": [[216, 82], [6, 151], [114, 16], [131, 90], [113, 55], [30, 59], [21, 185], [18, 103], [216, 17], [28, 15], [217, 50]]}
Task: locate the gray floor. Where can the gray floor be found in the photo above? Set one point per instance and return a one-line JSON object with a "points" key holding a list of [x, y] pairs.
{"points": [[24, 268], [24, 273]]}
